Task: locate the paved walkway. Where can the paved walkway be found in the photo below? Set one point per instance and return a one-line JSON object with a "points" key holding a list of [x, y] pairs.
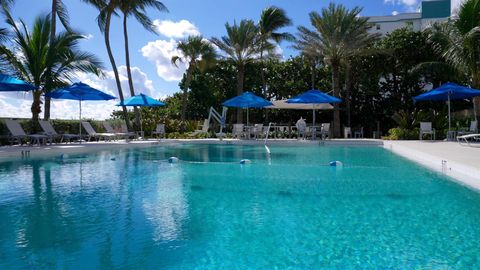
{"points": [[459, 162]]}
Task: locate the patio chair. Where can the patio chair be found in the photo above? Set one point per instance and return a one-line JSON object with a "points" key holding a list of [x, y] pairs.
{"points": [[358, 133], [17, 134], [426, 129], [159, 131], [472, 130], [301, 130], [258, 131], [108, 127], [130, 134], [238, 131], [347, 132], [91, 133], [203, 129], [325, 130], [51, 132]]}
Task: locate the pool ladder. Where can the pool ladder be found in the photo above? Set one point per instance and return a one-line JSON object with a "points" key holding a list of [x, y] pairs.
{"points": [[266, 137]]}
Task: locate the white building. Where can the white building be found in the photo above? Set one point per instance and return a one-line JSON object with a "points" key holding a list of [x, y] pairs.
{"points": [[429, 11]]}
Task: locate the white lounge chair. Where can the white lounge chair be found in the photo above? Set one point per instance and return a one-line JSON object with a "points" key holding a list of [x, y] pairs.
{"points": [[108, 127], [359, 133], [17, 134], [159, 131], [347, 132], [238, 131], [301, 130], [258, 131], [51, 132], [124, 129], [203, 129], [91, 133], [472, 130], [467, 138], [426, 129]]}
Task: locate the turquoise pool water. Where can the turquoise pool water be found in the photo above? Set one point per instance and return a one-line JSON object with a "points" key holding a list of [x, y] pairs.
{"points": [[130, 209]]}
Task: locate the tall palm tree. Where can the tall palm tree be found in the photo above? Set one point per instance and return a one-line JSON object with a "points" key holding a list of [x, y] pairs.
{"points": [[106, 11], [58, 9], [43, 63], [137, 8], [198, 53], [241, 45], [338, 34], [272, 19]]}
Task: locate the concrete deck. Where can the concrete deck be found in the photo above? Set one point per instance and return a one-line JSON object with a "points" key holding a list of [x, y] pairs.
{"points": [[462, 163]]}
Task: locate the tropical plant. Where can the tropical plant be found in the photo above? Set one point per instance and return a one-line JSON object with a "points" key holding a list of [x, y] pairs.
{"points": [[58, 9], [45, 64], [339, 33], [198, 53], [241, 45], [272, 19], [457, 41], [137, 9], [106, 10]]}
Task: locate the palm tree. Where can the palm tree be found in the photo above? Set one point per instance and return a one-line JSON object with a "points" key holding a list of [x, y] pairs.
{"points": [[106, 11], [58, 9], [43, 63], [241, 45], [457, 41], [198, 53], [271, 20], [339, 33], [137, 8]]}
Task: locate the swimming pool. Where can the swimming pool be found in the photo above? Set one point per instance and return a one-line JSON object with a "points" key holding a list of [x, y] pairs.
{"points": [[130, 209]]}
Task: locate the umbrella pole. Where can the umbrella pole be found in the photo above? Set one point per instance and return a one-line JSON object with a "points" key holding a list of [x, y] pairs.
{"points": [[474, 109], [80, 119], [314, 129], [247, 118], [449, 116]]}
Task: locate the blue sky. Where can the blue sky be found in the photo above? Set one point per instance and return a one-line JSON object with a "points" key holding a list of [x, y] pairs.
{"points": [[150, 53]]}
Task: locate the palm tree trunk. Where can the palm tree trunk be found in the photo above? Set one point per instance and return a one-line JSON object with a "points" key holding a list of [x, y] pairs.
{"points": [[36, 107], [314, 75], [264, 82], [348, 91], [53, 29], [129, 71], [188, 80], [240, 78], [476, 100], [114, 66], [336, 93]]}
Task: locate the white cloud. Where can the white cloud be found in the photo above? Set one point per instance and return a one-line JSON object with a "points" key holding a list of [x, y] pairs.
{"points": [[395, 13], [18, 104], [160, 52], [171, 29]]}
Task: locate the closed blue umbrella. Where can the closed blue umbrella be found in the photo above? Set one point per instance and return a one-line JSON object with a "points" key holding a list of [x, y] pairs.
{"points": [[79, 91], [448, 92], [141, 100], [11, 84], [247, 100], [314, 97]]}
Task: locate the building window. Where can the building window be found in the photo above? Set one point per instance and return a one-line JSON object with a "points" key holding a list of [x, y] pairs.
{"points": [[378, 26]]}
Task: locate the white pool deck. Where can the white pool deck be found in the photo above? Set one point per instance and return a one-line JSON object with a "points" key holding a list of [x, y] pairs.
{"points": [[461, 163]]}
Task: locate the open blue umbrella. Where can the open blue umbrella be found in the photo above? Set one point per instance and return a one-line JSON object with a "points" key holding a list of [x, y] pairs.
{"points": [[247, 100], [448, 92], [141, 100], [314, 97], [10, 84], [79, 91]]}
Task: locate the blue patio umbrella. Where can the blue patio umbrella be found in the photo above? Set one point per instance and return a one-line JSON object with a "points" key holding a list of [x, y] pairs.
{"points": [[247, 100], [79, 91], [448, 92], [314, 97], [141, 100], [10, 84]]}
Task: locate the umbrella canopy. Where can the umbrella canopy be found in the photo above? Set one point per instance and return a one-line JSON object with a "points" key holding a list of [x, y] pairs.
{"points": [[141, 100], [314, 97], [448, 92], [247, 100], [79, 91], [283, 105], [8, 84]]}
